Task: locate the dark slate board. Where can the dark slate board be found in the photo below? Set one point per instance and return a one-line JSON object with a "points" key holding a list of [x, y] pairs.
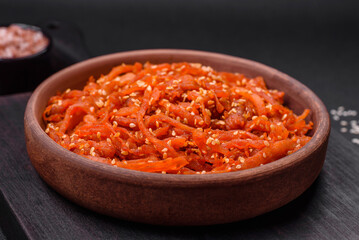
{"points": [[329, 209]]}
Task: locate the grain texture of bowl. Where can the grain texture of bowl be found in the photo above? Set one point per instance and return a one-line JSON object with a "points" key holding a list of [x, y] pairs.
{"points": [[167, 199]]}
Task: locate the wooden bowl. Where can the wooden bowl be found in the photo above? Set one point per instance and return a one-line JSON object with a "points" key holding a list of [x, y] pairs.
{"points": [[167, 199]]}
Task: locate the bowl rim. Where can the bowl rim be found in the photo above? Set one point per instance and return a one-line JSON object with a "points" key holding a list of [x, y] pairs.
{"points": [[178, 180], [32, 56]]}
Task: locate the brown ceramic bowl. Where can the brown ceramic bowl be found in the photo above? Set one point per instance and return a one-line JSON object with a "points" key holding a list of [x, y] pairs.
{"points": [[167, 199]]}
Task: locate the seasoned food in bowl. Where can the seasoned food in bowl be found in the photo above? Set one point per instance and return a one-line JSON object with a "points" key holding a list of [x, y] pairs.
{"points": [[175, 199], [179, 118]]}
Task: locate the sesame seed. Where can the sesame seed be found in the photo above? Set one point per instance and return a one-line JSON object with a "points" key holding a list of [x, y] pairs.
{"points": [[164, 149], [141, 83], [236, 133], [264, 155], [221, 122], [215, 141], [163, 172], [124, 152], [343, 123], [266, 143], [132, 125], [92, 150], [98, 135], [241, 159], [284, 116], [238, 167], [99, 103]]}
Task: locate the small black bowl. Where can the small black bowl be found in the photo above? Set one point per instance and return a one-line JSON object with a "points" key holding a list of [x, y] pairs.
{"points": [[25, 73]]}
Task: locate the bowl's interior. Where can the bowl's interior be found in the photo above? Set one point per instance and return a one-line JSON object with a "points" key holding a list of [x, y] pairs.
{"points": [[75, 77]]}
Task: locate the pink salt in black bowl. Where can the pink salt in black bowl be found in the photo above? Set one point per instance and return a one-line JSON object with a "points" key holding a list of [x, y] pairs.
{"points": [[169, 199], [24, 57]]}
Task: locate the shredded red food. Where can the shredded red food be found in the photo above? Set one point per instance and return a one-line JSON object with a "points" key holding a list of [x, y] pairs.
{"points": [[179, 118]]}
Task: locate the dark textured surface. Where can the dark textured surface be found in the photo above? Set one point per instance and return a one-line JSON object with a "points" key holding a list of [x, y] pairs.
{"points": [[327, 210], [315, 41]]}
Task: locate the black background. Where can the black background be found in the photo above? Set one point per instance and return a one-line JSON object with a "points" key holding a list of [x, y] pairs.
{"points": [[316, 42]]}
